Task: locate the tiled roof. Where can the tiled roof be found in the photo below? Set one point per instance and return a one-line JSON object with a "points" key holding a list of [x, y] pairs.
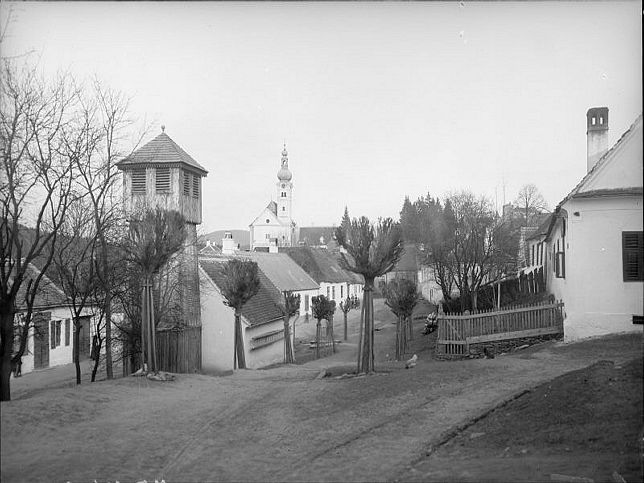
{"points": [[635, 190], [409, 260], [321, 264], [310, 235], [542, 229], [282, 271], [48, 294], [273, 207], [210, 250], [262, 308], [161, 150]]}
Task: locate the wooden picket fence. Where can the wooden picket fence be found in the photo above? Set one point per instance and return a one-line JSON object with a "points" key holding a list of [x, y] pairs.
{"points": [[457, 332], [179, 349]]}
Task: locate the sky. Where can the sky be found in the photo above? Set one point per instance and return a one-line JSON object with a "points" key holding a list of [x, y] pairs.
{"points": [[375, 101]]}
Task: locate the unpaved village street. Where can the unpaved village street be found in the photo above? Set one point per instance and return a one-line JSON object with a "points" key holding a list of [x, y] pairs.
{"points": [[280, 424]]}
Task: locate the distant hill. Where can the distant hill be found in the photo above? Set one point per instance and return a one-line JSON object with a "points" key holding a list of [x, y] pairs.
{"points": [[240, 236]]}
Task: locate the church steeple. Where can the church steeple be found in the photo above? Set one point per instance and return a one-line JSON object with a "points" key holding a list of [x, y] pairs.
{"points": [[284, 174], [284, 188]]}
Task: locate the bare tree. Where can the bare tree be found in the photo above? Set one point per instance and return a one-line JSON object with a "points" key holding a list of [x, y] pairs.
{"points": [[35, 192], [531, 202], [322, 309], [73, 268], [373, 251]]}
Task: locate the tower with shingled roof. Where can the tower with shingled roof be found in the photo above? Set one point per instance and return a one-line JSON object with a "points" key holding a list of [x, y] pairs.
{"points": [[161, 174]]}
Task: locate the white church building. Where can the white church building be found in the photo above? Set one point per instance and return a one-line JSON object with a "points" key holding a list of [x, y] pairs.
{"points": [[274, 227]]}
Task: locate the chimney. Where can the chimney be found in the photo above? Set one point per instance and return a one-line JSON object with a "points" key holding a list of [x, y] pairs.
{"points": [[228, 246], [596, 135]]}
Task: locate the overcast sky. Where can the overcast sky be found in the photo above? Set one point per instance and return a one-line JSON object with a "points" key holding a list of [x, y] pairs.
{"points": [[374, 100]]}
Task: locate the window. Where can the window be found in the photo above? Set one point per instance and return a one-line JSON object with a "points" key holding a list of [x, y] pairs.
{"points": [[138, 181], [283, 194], [186, 183], [342, 292], [55, 333], [333, 293], [560, 265], [268, 235], [601, 119], [328, 292], [283, 208], [162, 182], [633, 256], [67, 331], [593, 121]]}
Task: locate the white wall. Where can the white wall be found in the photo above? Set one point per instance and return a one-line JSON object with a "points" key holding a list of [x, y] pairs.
{"points": [[597, 300], [217, 329]]}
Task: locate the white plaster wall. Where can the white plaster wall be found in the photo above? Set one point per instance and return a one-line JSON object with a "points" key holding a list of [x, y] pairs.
{"points": [[217, 329], [597, 300], [269, 354], [302, 294]]}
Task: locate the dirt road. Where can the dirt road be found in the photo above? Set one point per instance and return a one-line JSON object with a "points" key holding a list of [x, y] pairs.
{"points": [[281, 424]]}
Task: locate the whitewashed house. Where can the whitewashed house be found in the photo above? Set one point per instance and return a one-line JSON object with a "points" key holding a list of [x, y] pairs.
{"points": [[262, 323], [595, 251], [50, 339]]}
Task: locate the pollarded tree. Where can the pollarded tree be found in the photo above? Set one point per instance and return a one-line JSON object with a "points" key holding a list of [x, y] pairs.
{"points": [[347, 306], [241, 283], [373, 251], [155, 238], [289, 308], [401, 297], [322, 308]]}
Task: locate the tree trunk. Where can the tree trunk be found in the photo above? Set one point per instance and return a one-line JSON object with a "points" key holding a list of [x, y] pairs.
{"points": [[289, 355], [366, 363], [6, 348], [107, 304], [76, 358], [97, 359], [240, 356], [332, 335], [361, 335], [318, 327], [345, 326], [399, 335]]}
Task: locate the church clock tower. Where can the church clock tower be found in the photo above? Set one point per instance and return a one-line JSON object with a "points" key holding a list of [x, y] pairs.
{"points": [[284, 190]]}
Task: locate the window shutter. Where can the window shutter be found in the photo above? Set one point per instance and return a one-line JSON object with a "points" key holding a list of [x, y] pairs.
{"points": [[162, 182], [138, 181], [195, 186], [633, 256], [186, 183], [58, 327], [52, 334], [67, 330]]}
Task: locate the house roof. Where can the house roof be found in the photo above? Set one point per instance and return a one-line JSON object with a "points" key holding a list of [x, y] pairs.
{"points": [[282, 271], [409, 259], [310, 235], [260, 309], [161, 150], [210, 249], [321, 264], [542, 229], [48, 294]]}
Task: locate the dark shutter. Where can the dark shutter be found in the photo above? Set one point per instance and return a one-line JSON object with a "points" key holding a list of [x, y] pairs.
{"points": [[138, 181], [67, 331], [633, 256], [53, 334]]}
